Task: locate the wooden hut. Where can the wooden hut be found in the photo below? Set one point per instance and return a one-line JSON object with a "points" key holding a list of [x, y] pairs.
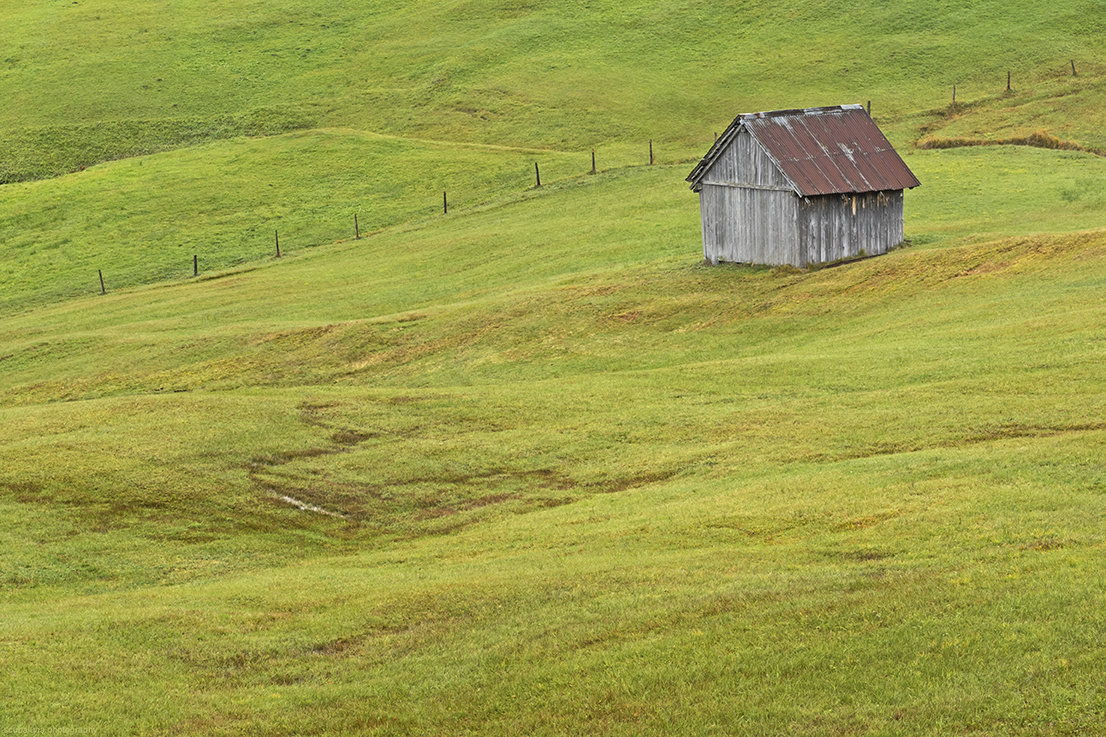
{"points": [[799, 187]]}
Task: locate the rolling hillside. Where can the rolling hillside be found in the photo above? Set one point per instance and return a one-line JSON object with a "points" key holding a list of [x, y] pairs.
{"points": [[527, 466]]}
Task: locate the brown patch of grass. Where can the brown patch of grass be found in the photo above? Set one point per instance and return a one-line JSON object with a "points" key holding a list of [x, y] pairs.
{"points": [[352, 437], [986, 268], [630, 482], [337, 647], [24, 492], [1044, 544], [488, 500], [1037, 139]]}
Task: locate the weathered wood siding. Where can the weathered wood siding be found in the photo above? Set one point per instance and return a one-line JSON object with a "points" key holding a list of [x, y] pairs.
{"points": [[761, 226], [746, 162], [753, 226], [833, 227], [748, 208], [801, 186], [751, 214]]}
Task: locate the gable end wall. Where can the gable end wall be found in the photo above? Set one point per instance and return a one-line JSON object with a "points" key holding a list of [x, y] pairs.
{"points": [[749, 226], [748, 209], [745, 161]]}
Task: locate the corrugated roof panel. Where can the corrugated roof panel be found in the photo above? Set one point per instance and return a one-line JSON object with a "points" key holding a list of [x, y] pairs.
{"points": [[822, 150]]}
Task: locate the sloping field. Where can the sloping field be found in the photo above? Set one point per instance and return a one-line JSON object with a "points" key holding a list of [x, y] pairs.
{"points": [[231, 203], [91, 81], [354, 491], [527, 466]]}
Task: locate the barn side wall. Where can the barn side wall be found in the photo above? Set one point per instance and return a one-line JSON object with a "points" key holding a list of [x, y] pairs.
{"points": [[833, 227]]}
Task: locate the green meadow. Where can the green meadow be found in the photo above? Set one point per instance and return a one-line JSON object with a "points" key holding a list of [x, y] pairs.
{"points": [[524, 465]]}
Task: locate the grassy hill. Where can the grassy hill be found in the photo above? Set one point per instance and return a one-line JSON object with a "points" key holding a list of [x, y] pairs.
{"points": [[528, 467], [87, 82]]}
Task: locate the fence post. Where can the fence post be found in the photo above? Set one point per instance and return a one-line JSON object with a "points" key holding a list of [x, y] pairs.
{"points": [[593, 161], [101, 273], [195, 265], [1073, 67], [276, 235], [356, 229], [650, 152], [445, 204], [537, 175]]}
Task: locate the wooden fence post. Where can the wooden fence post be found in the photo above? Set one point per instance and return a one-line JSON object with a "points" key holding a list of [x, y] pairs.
{"points": [[445, 204], [356, 229], [101, 273], [195, 265], [537, 175], [1008, 81], [593, 161], [650, 152], [1073, 67], [276, 235]]}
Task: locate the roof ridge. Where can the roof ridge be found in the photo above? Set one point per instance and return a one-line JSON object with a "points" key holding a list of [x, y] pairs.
{"points": [[800, 111]]}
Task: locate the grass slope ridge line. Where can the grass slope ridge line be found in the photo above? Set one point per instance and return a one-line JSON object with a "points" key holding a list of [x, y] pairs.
{"points": [[1037, 139], [30, 154]]}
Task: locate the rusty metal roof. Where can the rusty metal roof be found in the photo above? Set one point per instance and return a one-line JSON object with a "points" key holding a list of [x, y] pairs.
{"points": [[826, 150]]}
